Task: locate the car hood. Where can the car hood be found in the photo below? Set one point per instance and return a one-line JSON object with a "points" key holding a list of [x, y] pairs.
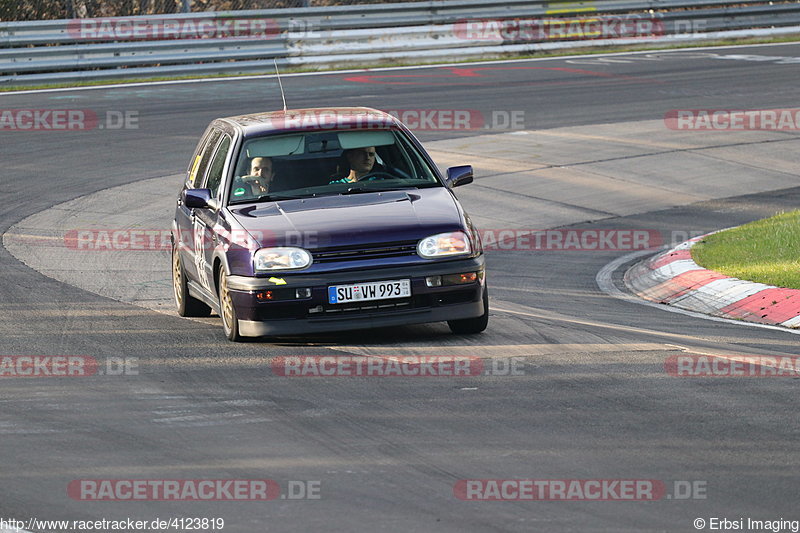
{"points": [[353, 219]]}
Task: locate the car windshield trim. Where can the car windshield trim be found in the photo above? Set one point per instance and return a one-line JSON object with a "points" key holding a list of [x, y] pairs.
{"points": [[350, 190], [305, 173]]}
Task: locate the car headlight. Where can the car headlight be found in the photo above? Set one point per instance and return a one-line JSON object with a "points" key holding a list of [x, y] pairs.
{"points": [[444, 245], [284, 258]]}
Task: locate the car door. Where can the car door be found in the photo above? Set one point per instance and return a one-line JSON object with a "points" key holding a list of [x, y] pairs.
{"points": [[206, 220], [185, 216]]}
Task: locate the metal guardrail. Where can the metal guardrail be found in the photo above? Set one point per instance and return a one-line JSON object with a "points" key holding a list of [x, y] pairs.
{"points": [[65, 50]]}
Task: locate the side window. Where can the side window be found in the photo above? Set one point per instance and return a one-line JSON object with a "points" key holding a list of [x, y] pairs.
{"points": [[218, 165], [191, 170], [200, 164]]}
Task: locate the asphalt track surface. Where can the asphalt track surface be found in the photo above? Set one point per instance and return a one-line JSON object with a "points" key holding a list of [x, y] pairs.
{"points": [[593, 401]]}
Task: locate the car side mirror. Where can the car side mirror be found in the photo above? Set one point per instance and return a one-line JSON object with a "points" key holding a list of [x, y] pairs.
{"points": [[196, 198], [461, 175]]}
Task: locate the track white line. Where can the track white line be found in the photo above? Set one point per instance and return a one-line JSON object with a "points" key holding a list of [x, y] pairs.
{"points": [[606, 284], [384, 69]]}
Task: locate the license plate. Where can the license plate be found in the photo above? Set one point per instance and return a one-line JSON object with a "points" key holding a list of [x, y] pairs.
{"points": [[372, 290]]}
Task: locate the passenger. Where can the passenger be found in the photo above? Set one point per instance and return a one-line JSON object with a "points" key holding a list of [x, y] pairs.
{"points": [[361, 162]]}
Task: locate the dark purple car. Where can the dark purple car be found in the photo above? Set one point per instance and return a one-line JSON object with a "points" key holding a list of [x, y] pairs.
{"points": [[324, 220]]}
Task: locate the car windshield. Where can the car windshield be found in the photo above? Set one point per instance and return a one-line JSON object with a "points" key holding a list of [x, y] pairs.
{"points": [[301, 165]]}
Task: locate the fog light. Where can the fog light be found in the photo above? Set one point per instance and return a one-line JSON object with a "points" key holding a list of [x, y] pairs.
{"points": [[264, 296], [302, 293], [460, 279], [433, 281]]}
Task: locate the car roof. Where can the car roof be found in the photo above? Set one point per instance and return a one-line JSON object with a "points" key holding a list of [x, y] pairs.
{"points": [[328, 118]]}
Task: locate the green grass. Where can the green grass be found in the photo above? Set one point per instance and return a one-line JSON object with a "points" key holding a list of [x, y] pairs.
{"points": [[766, 251], [551, 53]]}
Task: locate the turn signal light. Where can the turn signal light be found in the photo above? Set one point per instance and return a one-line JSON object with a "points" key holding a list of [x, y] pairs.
{"points": [[459, 279], [264, 296]]}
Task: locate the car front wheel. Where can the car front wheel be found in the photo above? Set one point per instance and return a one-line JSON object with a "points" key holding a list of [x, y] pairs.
{"points": [[187, 304], [230, 324], [468, 326]]}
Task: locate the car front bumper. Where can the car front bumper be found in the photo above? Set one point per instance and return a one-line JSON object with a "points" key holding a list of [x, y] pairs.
{"points": [[288, 314]]}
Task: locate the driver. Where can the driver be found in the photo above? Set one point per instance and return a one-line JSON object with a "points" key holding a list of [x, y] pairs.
{"points": [[261, 174], [361, 162], [257, 182]]}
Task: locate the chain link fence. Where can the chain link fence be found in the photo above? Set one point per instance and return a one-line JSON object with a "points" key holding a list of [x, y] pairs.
{"points": [[70, 9]]}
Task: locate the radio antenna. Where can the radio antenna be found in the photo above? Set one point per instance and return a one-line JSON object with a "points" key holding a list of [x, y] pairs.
{"points": [[280, 84]]}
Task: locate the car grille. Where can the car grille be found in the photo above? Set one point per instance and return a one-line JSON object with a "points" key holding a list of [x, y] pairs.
{"points": [[417, 303], [365, 252], [369, 307]]}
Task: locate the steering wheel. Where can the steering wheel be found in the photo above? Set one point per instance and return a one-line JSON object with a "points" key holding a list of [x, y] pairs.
{"points": [[253, 182], [378, 175]]}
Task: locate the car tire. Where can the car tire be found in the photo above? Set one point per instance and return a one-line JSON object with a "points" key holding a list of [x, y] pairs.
{"points": [[227, 311], [469, 326], [187, 304]]}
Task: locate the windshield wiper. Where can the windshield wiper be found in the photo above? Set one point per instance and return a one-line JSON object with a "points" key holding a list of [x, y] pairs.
{"points": [[359, 190], [275, 197]]}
